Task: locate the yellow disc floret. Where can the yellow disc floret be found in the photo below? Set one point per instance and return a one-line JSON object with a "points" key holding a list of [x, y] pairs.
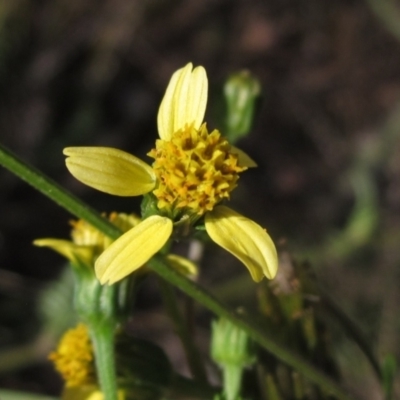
{"points": [[195, 170], [73, 358]]}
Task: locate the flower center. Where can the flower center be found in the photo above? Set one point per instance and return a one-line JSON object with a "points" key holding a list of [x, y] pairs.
{"points": [[195, 170], [73, 358]]}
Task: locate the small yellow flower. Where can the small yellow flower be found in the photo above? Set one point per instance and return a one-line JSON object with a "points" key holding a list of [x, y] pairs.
{"points": [[73, 358], [87, 242], [193, 171]]}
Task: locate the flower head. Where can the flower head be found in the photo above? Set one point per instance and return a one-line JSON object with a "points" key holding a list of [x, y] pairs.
{"points": [[93, 302], [87, 242], [193, 171], [74, 358]]}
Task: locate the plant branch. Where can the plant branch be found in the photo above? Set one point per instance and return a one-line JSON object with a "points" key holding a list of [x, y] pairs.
{"points": [[286, 356], [79, 209], [102, 337], [55, 192]]}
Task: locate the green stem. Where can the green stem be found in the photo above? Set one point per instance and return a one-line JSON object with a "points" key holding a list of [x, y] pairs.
{"points": [[194, 358], [76, 207], [102, 337], [56, 192], [232, 381], [208, 301]]}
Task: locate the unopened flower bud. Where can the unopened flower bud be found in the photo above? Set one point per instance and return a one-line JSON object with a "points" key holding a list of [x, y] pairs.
{"points": [[241, 91]]}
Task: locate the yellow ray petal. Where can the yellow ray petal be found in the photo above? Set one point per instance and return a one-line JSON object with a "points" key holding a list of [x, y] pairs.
{"points": [[244, 159], [133, 249], [165, 117], [192, 103], [184, 101], [69, 250], [110, 170], [245, 239]]}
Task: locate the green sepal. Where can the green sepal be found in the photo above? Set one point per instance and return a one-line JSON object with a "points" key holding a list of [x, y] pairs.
{"points": [[102, 304], [94, 303], [148, 206], [232, 350]]}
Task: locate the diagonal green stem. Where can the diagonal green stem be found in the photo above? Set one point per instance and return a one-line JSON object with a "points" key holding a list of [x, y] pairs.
{"points": [[76, 207], [207, 300], [56, 192], [102, 336]]}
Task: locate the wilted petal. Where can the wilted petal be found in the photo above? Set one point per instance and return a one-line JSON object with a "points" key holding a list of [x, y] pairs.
{"points": [[184, 101], [110, 170], [245, 239], [133, 249], [244, 159], [71, 251]]}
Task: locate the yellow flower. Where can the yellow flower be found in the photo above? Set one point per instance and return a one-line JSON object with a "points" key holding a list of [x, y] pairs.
{"points": [[73, 358], [87, 242], [193, 171]]}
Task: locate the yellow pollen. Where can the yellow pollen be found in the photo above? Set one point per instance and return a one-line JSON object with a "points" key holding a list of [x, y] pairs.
{"points": [[73, 358], [195, 170]]}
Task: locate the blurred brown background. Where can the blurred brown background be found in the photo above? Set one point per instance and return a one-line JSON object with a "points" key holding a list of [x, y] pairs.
{"points": [[85, 72]]}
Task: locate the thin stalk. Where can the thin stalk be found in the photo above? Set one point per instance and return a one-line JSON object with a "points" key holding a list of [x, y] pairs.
{"points": [[238, 287], [286, 356], [232, 381], [103, 343], [56, 192], [102, 336], [79, 209], [192, 354]]}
